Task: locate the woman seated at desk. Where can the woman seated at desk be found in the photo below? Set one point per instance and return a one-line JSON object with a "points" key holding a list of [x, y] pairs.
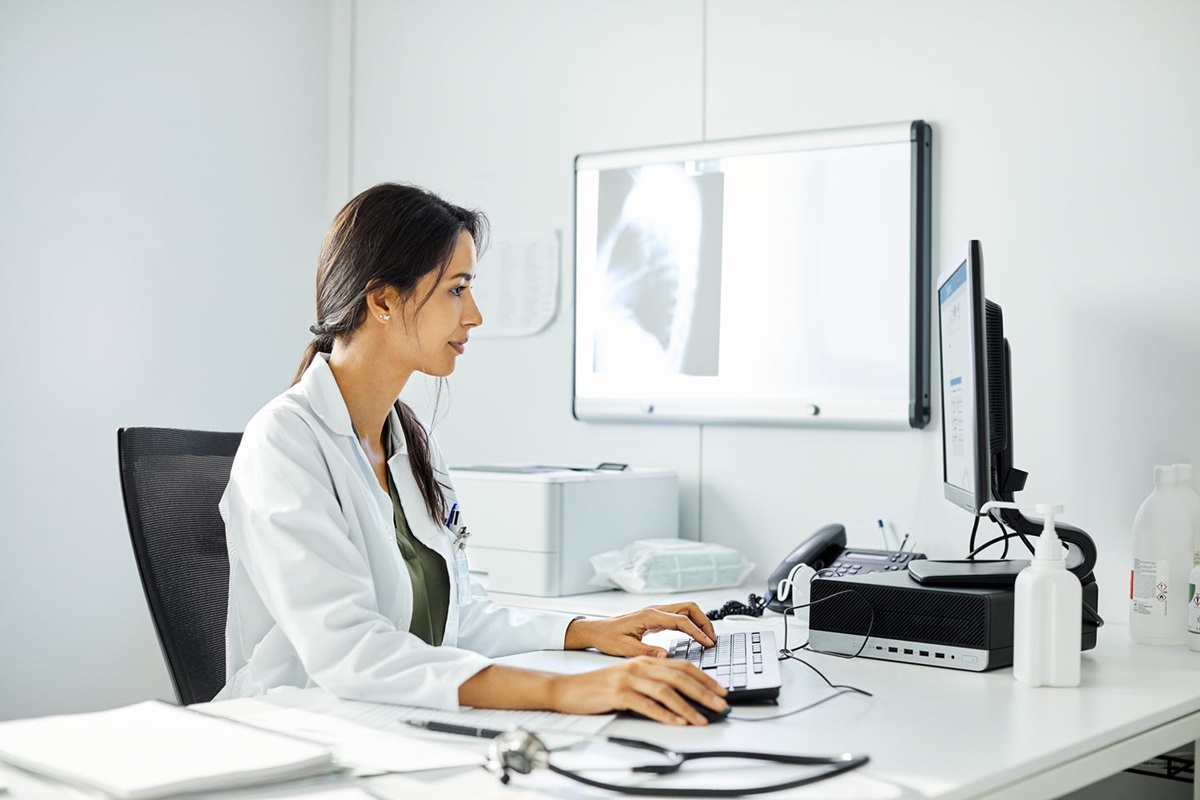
{"points": [[342, 547]]}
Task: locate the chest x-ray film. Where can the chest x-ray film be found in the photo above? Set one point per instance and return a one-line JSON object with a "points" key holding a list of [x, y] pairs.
{"points": [[771, 279]]}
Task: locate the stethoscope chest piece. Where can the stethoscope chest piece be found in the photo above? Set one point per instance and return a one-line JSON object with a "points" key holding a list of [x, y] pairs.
{"points": [[517, 751]]}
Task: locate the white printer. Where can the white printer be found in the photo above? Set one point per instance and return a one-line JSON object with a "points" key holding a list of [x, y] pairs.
{"points": [[534, 528]]}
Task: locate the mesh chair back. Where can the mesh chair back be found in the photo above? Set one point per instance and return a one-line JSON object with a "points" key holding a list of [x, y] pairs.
{"points": [[172, 481]]}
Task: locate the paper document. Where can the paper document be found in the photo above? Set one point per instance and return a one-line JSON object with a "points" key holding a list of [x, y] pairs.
{"points": [[518, 293], [152, 749], [356, 746], [385, 717]]}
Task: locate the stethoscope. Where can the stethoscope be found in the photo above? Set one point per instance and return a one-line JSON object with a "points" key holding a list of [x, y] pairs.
{"points": [[522, 752]]}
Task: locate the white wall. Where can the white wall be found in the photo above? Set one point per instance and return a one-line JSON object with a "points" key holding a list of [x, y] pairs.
{"points": [[163, 175], [162, 180], [1064, 137], [488, 104]]}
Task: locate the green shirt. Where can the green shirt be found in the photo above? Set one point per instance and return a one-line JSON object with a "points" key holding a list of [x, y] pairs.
{"points": [[427, 569]]}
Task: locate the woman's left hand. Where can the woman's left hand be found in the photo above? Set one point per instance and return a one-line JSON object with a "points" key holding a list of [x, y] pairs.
{"points": [[622, 636]]}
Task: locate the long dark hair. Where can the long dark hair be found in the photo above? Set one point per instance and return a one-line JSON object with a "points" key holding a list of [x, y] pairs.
{"points": [[389, 235]]}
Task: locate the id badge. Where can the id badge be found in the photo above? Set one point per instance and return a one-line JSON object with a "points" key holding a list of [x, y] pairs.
{"points": [[463, 575]]}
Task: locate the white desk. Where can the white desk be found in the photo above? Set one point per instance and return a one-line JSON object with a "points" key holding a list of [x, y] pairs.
{"points": [[930, 733], [942, 733]]}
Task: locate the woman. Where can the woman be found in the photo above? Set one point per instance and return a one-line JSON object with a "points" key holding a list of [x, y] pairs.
{"points": [[341, 562]]}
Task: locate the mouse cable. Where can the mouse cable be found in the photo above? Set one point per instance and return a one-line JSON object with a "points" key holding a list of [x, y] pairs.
{"points": [[793, 657], [838, 693]]}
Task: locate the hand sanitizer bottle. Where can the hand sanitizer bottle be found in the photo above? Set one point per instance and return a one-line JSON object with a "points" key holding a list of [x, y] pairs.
{"points": [[1162, 558], [1048, 610]]}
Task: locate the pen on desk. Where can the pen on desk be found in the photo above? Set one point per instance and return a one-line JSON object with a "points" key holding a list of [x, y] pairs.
{"points": [[904, 542], [461, 730]]}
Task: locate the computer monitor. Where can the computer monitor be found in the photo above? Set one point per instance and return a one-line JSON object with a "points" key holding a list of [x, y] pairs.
{"points": [[977, 413], [976, 394]]}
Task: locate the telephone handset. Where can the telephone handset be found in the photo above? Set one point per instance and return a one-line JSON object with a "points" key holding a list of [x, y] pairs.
{"points": [[826, 550]]}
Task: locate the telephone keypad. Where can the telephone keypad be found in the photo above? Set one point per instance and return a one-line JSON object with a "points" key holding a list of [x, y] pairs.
{"points": [[856, 562]]}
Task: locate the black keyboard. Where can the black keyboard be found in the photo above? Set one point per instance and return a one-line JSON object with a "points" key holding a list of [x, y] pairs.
{"points": [[745, 663]]}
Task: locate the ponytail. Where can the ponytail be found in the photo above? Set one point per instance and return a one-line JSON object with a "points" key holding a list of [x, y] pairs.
{"points": [[322, 343], [421, 462]]}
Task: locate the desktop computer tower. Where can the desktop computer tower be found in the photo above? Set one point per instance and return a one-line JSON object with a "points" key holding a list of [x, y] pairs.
{"points": [[944, 626]]}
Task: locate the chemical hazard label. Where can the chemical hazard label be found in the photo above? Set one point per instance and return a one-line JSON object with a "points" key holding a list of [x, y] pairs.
{"points": [[1193, 610], [1149, 587]]}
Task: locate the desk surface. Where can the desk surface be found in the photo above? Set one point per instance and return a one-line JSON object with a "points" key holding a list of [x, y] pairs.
{"points": [[930, 733], [943, 733]]}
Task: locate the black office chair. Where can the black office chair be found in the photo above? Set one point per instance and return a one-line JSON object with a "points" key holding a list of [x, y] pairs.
{"points": [[172, 481]]}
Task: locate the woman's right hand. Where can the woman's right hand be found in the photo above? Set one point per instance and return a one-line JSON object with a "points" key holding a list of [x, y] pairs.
{"points": [[653, 687]]}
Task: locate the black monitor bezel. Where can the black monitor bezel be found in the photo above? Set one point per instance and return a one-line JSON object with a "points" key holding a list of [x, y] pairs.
{"points": [[972, 259]]}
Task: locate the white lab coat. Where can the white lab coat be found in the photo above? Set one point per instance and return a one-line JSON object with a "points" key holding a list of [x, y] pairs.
{"points": [[319, 594]]}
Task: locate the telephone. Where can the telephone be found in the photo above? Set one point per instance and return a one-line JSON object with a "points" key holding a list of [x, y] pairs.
{"points": [[826, 550]]}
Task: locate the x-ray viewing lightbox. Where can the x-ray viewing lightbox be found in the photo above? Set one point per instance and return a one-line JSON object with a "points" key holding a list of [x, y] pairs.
{"points": [[768, 279]]}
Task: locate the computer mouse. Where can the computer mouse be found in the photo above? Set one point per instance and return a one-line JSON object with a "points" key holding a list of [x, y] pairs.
{"points": [[705, 711]]}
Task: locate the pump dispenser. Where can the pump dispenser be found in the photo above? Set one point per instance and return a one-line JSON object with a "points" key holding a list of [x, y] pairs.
{"points": [[1048, 609]]}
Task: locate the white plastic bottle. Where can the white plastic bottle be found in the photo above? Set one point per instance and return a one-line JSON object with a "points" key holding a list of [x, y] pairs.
{"points": [[1047, 611], [1194, 609], [1162, 560], [1191, 501]]}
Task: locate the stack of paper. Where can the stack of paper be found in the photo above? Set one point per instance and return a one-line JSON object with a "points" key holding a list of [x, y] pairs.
{"points": [[357, 747], [153, 749]]}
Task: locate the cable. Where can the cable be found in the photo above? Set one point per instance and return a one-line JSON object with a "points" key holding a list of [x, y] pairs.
{"points": [[753, 607], [1093, 615], [832, 685], [787, 651], [974, 530], [1005, 529], [826, 699]]}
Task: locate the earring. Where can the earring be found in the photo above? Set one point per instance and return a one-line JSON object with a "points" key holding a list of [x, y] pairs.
{"points": [[385, 317]]}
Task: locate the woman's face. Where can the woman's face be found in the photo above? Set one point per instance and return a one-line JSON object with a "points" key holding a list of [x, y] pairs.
{"points": [[437, 331]]}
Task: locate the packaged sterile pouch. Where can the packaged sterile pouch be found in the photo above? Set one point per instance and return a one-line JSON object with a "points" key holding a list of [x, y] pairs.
{"points": [[650, 566]]}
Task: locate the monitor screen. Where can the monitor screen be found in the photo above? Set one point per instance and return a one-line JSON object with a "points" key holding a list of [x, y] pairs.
{"points": [[771, 279], [977, 407], [961, 327]]}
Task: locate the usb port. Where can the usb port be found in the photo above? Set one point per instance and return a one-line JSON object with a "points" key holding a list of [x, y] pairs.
{"points": [[939, 655], [925, 654], [893, 650], [907, 652]]}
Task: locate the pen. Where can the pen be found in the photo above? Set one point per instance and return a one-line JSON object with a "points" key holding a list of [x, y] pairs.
{"points": [[461, 730]]}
